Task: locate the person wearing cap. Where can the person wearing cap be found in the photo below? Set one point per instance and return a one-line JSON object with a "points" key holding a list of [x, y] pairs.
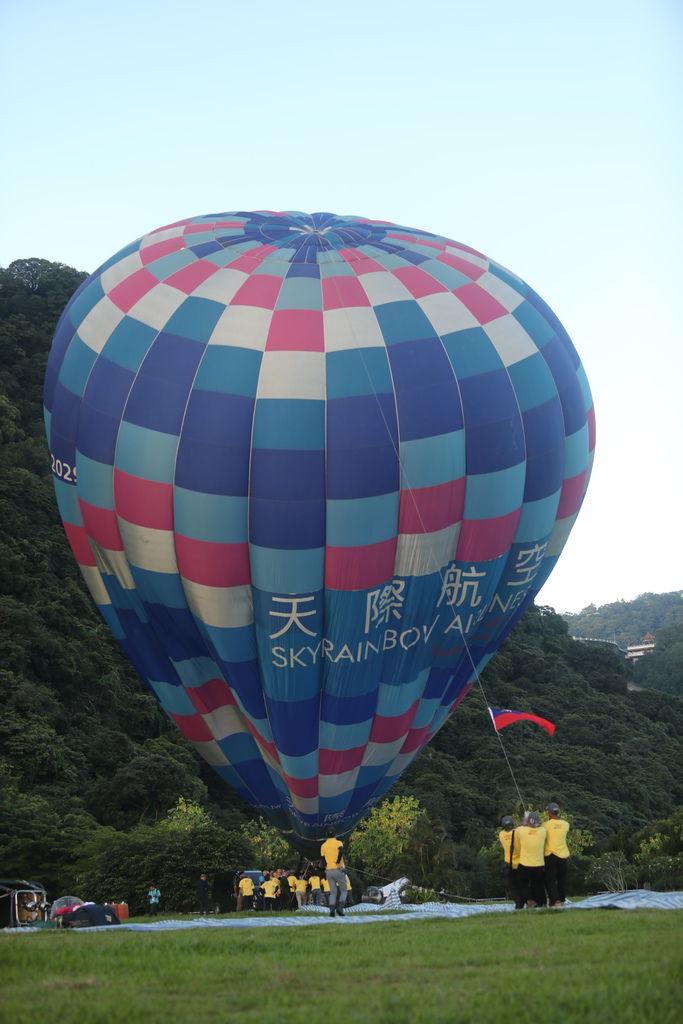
{"points": [[511, 851], [332, 852], [556, 854], [531, 870]]}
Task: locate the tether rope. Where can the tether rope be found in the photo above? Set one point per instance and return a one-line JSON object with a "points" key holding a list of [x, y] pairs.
{"points": [[436, 568]]}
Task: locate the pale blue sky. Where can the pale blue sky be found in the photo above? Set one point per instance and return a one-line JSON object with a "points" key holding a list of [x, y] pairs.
{"points": [[546, 135]]}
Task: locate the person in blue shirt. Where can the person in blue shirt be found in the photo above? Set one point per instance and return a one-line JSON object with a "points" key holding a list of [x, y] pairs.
{"points": [[153, 897]]}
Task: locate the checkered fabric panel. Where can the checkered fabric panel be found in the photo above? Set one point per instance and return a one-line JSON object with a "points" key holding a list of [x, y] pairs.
{"points": [[312, 468]]}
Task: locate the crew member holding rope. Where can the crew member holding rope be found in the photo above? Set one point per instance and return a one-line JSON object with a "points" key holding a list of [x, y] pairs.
{"points": [[556, 856], [531, 870], [511, 851]]}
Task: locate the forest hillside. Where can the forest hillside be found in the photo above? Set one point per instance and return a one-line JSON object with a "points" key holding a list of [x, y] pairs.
{"points": [[92, 772], [626, 622]]}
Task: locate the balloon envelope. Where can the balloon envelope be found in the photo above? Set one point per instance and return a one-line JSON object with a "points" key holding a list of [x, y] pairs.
{"points": [[313, 469]]}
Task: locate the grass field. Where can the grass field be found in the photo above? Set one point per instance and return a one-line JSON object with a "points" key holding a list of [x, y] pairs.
{"points": [[597, 965]]}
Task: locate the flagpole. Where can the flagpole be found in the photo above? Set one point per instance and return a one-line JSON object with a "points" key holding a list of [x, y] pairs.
{"points": [[488, 708], [502, 747]]}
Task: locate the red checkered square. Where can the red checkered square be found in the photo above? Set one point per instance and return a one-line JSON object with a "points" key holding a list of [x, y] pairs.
{"points": [[153, 252], [465, 267], [143, 502], [190, 277], [414, 240], [341, 292], [418, 282], [359, 263], [259, 290], [480, 303], [296, 330], [127, 292]]}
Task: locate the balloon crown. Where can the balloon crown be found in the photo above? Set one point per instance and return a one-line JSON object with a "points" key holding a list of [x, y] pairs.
{"points": [[310, 238]]}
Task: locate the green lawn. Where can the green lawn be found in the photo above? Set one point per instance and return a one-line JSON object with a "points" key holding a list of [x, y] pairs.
{"points": [[598, 965]]}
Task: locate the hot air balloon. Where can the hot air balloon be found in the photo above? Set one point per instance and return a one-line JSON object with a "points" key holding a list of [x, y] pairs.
{"points": [[313, 469]]}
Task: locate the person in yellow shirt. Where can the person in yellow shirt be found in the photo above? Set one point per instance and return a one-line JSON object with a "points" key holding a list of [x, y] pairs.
{"points": [[349, 899], [301, 886], [245, 900], [271, 891], [314, 882], [324, 891], [332, 852], [556, 856], [506, 837], [531, 870]]}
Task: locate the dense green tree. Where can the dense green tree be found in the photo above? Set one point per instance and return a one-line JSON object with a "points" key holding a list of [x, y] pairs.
{"points": [[38, 840], [269, 848], [380, 839], [662, 669], [613, 761], [82, 743], [120, 866], [611, 871]]}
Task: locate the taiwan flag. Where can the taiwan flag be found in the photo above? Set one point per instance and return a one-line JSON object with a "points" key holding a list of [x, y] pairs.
{"points": [[503, 716]]}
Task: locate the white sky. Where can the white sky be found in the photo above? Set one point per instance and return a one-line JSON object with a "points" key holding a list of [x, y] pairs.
{"points": [[547, 135]]}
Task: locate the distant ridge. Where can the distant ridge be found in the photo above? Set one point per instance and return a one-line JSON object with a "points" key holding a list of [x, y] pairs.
{"points": [[626, 622]]}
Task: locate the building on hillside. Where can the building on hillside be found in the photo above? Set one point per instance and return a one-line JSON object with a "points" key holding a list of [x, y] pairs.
{"points": [[636, 651]]}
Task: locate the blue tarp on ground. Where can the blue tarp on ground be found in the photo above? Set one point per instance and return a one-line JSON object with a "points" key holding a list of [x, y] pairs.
{"points": [[637, 899]]}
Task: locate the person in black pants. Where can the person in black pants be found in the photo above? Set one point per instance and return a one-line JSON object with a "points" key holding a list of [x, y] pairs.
{"points": [[556, 856], [510, 846], [531, 870], [203, 895]]}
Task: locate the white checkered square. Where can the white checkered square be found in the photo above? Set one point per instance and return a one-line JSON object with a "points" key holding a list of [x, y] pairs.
{"points": [[158, 306], [352, 327], [119, 271], [95, 328], [511, 341], [446, 313], [382, 286], [501, 291], [221, 286], [244, 326], [292, 375]]}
